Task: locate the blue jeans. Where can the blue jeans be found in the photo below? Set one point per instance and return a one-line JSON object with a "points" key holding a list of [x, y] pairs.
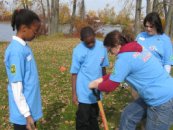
{"points": [[157, 118]]}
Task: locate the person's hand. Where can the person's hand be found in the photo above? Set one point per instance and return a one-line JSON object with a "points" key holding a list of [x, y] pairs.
{"points": [[30, 123], [93, 84], [75, 99]]}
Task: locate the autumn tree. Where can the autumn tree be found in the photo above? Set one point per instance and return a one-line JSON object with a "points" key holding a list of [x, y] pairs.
{"points": [[64, 14], [107, 15]]}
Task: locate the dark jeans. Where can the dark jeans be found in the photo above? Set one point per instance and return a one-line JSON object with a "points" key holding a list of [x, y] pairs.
{"points": [[87, 117], [20, 127]]}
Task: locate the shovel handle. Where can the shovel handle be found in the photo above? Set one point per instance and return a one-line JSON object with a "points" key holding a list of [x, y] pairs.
{"points": [[103, 116]]}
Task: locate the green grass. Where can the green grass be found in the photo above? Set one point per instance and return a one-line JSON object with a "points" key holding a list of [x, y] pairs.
{"points": [[59, 113]]}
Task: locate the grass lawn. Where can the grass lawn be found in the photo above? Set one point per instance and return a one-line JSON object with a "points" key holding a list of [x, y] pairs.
{"points": [[51, 54]]}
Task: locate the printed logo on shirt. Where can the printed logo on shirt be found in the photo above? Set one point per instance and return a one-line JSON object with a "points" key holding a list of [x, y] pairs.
{"points": [[13, 69], [141, 38], [153, 48], [29, 58]]}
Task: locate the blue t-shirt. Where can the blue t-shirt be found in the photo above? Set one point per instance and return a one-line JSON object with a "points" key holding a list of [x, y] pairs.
{"points": [[159, 45], [21, 67], [87, 63], [145, 74]]}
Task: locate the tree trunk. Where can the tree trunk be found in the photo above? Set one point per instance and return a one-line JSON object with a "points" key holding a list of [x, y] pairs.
{"points": [[168, 18], [165, 8], [148, 9], [54, 21], [57, 15], [48, 16], [73, 16], [155, 5], [82, 10], [44, 17], [171, 29], [138, 16]]}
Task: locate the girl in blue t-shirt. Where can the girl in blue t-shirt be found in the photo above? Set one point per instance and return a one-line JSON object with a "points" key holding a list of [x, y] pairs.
{"points": [[142, 70], [156, 41], [23, 88]]}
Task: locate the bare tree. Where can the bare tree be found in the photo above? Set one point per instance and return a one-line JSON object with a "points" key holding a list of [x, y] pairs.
{"points": [[169, 18], [148, 8], [165, 8], [171, 35], [73, 16], [82, 10], [155, 5], [43, 27], [138, 16], [53, 16]]}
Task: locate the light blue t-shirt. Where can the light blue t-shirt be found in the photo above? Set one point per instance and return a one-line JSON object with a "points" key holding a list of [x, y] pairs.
{"points": [[87, 63], [145, 74], [21, 67], [159, 45]]}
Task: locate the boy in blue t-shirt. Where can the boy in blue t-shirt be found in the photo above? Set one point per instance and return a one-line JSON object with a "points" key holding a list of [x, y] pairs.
{"points": [[88, 63]]}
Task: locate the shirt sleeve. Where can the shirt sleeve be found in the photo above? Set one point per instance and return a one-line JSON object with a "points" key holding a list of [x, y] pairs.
{"points": [[137, 37], [168, 53], [16, 68], [17, 89], [121, 70], [76, 62], [106, 59]]}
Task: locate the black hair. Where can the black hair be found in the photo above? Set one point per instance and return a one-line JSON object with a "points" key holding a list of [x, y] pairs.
{"points": [[115, 38], [23, 17], [154, 19], [86, 32]]}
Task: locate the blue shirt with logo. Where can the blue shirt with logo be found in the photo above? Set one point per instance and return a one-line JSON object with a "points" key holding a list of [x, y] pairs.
{"points": [[87, 63], [145, 74], [21, 67], [159, 45]]}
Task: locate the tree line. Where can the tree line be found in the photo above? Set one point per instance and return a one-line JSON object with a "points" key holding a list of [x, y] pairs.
{"points": [[54, 13]]}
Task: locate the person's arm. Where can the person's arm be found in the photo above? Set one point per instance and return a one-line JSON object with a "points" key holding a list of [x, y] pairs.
{"points": [[20, 100], [168, 53], [74, 96], [108, 86], [104, 84]]}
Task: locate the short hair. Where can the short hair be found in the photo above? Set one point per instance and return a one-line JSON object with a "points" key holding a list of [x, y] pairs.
{"points": [[86, 32], [116, 38], [23, 17], [154, 19]]}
